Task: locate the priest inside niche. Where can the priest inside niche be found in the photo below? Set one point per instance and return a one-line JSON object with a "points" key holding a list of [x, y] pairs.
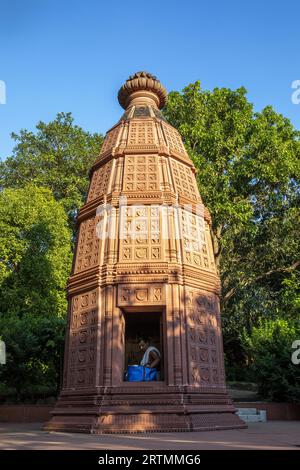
{"points": [[147, 370]]}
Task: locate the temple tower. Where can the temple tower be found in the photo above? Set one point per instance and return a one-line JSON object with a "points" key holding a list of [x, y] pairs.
{"points": [[143, 264]]}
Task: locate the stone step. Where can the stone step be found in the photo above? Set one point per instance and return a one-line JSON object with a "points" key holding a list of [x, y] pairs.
{"points": [[247, 411], [252, 415]]}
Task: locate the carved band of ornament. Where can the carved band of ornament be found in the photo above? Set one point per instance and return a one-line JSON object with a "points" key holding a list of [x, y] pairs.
{"points": [[121, 277], [135, 280], [190, 268], [142, 196], [210, 287], [81, 288], [89, 277], [141, 294], [118, 152], [206, 276], [89, 210], [135, 272], [146, 266], [141, 269], [75, 288]]}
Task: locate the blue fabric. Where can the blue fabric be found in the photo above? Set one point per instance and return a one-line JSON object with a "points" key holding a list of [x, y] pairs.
{"points": [[150, 374], [141, 374]]}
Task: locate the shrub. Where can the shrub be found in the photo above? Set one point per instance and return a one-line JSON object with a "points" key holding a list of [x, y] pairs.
{"points": [[270, 348]]}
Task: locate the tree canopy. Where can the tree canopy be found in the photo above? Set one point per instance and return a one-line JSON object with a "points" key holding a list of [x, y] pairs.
{"points": [[57, 156]]}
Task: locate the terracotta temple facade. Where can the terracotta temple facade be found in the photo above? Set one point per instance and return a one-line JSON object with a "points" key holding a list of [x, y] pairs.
{"points": [[143, 265]]}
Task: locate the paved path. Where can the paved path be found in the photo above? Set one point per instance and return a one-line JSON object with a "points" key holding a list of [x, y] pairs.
{"points": [[271, 435]]}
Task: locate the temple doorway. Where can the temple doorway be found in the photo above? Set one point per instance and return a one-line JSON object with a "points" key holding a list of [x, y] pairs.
{"points": [[143, 325]]}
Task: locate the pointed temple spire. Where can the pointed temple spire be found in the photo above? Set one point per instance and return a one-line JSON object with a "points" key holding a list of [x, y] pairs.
{"points": [[143, 266]]}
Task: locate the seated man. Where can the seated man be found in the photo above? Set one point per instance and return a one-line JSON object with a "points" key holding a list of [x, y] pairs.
{"points": [[152, 356]]}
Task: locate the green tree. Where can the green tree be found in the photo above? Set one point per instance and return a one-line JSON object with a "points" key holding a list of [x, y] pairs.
{"points": [[270, 350], [58, 156], [35, 262], [248, 174]]}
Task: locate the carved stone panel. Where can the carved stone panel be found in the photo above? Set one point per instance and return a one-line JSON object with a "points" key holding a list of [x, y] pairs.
{"points": [[173, 139], [185, 183], [100, 181], [83, 340], [110, 139], [140, 234], [196, 242], [141, 132], [141, 173], [88, 252], [204, 337], [142, 294]]}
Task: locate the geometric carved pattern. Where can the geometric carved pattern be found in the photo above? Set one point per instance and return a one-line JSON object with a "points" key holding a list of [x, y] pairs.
{"points": [[110, 139], [195, 241], [141, 295], [141, 173], [88, 245], [140, 234], [173, 139], [185, 183], [100, 181], [203, 336], [83, 340], [141, 132]]}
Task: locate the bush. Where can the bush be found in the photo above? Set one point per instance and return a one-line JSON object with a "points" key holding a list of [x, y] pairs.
{"points": [[270, 348]]}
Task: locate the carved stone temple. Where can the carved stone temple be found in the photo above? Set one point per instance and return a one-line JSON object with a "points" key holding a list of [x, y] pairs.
{"points": [[143, 265]]}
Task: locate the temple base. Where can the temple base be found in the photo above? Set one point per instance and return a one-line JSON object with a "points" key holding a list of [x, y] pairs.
{"points": [[129, 410]]}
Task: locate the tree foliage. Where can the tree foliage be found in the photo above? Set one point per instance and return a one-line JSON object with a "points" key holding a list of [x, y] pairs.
{"points": [[42, 185], [57, 156], [35, 261]]}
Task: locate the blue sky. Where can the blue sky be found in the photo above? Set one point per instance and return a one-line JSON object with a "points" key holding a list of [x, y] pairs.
{"points": [[74, 55]]}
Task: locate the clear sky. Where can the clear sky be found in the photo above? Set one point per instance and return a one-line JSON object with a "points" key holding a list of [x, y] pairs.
{"points": [[72, 55]]}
